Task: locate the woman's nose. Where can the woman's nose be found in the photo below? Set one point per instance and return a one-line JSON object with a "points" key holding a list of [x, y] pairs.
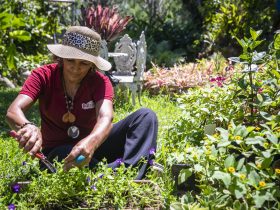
{"points": [[76, 67]]}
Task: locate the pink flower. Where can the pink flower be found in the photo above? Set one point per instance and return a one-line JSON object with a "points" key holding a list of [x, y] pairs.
{"points": [[220, 84], [260, 90]]}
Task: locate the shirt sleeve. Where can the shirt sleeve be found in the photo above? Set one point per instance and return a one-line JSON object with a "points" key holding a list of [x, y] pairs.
{"points": [[34, 84], [104, 89]]}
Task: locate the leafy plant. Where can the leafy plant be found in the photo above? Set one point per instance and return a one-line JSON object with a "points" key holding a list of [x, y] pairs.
{"points": [[227, 178], [25, 30], [106, 21], [250, 87], [181, 77]]}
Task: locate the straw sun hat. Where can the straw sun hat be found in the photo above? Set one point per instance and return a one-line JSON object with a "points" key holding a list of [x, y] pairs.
{"points": [[80, 42]]}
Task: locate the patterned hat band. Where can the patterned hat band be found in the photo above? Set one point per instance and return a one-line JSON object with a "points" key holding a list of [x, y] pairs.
{"points": [[82, 42]]}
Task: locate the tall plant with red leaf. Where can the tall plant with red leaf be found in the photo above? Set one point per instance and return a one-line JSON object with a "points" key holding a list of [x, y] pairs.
{"points": [[106, 21]]}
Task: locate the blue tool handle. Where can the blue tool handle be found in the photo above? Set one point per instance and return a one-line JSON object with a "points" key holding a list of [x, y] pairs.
{"points": [[80, 159]]}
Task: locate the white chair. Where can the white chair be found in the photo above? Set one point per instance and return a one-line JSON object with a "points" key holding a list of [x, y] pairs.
{"points": [[129, 74]]}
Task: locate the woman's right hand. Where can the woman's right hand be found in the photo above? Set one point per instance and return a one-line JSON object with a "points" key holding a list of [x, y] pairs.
{"points": [[31, 139]]}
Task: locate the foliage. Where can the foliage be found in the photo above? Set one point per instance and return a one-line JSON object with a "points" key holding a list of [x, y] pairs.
{"points": [[106, 21], [26, 28], [165, 24], [224, 19], [234, 169], [184, 30], [250, 89], [235, 164], [102, 188], [181, 77]]}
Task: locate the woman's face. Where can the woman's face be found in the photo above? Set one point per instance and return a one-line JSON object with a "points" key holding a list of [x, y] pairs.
{"points": [[74, 70]]}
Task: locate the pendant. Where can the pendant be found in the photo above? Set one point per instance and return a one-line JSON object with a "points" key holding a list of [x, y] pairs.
{"points": [[68, 117], [65, 117], [71, 117], [73, 132]]}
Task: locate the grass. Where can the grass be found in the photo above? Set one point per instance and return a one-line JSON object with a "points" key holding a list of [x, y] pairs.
{"points": [[162, 105]]}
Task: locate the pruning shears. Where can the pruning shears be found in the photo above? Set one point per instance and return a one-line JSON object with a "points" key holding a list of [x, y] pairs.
{"points": [[43, 158]]}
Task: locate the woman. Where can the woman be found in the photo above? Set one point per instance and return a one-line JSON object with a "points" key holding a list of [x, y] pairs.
{"points": [[76, 110]]}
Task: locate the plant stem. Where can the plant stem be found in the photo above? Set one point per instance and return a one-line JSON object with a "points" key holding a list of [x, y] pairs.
{"points": [[252, 95]]}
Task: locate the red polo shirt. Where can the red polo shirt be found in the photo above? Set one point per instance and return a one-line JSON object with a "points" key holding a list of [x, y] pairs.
{"points": [[45, 84]]}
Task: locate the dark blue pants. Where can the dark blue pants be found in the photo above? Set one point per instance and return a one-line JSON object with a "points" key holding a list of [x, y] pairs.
{"points": [[130, 140]]}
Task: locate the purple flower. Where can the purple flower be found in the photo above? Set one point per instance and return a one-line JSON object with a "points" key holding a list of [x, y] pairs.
{"points": [[119, 161], [93, 187], [16, 188], [152, 151], [212, 80], [151, 162], [24, 163], [88, 179], [11, 207]]}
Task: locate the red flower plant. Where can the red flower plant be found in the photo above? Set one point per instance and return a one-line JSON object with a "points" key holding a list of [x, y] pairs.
{"points": [[106, 21]]}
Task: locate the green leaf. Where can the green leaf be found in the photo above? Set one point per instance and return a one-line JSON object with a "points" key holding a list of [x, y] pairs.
{"points": [[240, 130], [184, 175], [20, 35], [198, 167], [11, 53], [224, 133], [229, 161], [253, 178], [239, 190], [255, 34], [240, 164], [244, 57], [256, 43], [5, 20], [225, 177], [250, 129], [266, 154], [261, 196], [237, 205], [205, 110], [255, 140], [242, 43], [224, 143], [272, 138], [258, 56], [234, 59], [266, 115], [267, 162], [275, 73], [276, 43], [260, 98]]}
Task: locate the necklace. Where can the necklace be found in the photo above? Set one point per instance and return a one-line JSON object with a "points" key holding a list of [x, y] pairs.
{"points": [[73, 131]]}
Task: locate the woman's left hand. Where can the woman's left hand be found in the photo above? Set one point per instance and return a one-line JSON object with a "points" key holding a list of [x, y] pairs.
{"points": [[86, 148], [88, 145]]}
